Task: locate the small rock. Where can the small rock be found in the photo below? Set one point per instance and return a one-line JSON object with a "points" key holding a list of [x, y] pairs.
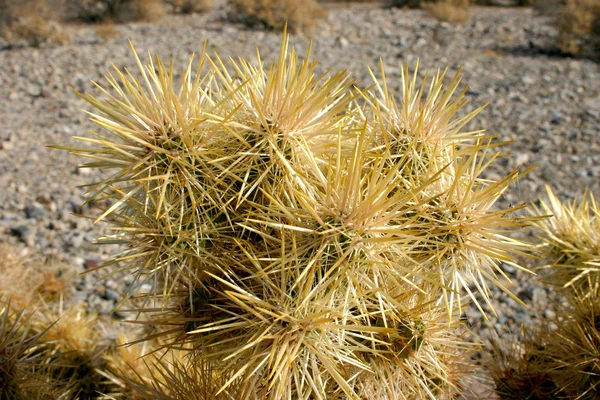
{"points": [[111, 294], [83, 171], [6, 145], [91, 263], [539, 296], [421, 42], [104, 308], [43, 199], [528, 80], [34, 211], [79, 297], [343, 42], [508, 268], [111, 284], [75, 240], [78, 261], [24, 233], [118, 315], [592, 104], [556, 118], [521, 158], [145, 288], [34, 90]]}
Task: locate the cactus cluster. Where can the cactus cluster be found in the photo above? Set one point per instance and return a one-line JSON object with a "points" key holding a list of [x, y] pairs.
{"points": [[561, 358], [65, 353], [304, 238]]}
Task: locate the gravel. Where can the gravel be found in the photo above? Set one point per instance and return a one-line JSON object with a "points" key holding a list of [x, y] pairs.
{"points": [[549, 107]]}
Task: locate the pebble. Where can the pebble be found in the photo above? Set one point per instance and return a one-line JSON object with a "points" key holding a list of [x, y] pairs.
{"points": [[91, 263], [6, 145], [528, 80], [25, 233], [111, 294], [34, 211], [521, 158], [34, 90], [343, 42], [144, 288], [75, 240]]}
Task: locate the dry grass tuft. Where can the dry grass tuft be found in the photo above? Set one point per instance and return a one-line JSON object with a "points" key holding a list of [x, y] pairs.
{"points": [[32, 24], [455, 11], [106, 30], [147, 10], [578, 23], [300, 16], [407, 3], [191, 6], [520, 369], [118, 11], [78, 342], [559, 361], [28, 281], [24, 373]]}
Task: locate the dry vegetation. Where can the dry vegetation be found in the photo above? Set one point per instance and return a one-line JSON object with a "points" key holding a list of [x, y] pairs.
{"points": [[118, 11], [578, 23], [561, 359], [63, 352], [106, 30], [456, 11], [33, 24], [40, 22], [190, 6], [53, 349], [274, 14], [29, 281]]}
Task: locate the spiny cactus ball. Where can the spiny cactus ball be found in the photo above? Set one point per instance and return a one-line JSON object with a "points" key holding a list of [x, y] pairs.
{"points": [[570, 240], [304, 238]]}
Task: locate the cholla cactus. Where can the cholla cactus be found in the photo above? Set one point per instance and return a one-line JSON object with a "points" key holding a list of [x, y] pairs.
{"points": [[561, 359], [571, 239], [304, 239], [76, 347], [189, 378], [21, 350], [455, 239], [574, 347], [521, 369]]}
